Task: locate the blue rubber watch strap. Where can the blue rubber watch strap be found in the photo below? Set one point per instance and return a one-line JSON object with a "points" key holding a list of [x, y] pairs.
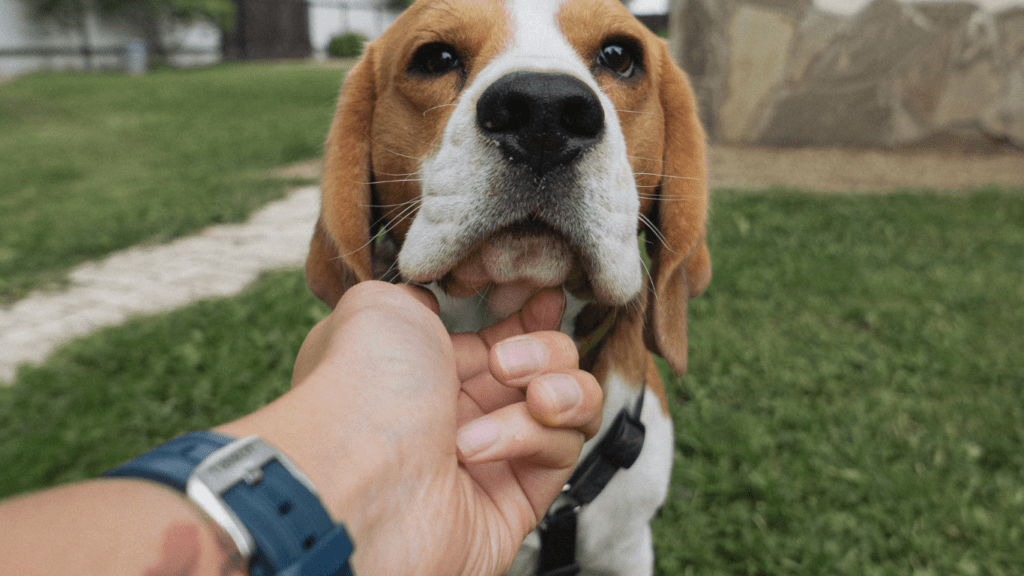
{"points": [[293, 533], [172, 463], [300, 520]]}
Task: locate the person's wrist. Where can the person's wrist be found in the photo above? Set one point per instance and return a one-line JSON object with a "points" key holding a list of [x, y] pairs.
{"points": [[340, 460]]}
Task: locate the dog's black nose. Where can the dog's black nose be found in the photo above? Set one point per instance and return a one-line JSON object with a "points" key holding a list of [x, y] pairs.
{"points": [[541, 120]]}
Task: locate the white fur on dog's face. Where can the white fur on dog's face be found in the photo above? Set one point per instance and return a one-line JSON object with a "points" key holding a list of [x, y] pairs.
{"points": [[471, 194]]}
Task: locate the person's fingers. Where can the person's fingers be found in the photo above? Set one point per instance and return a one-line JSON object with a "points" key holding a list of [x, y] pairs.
{"points": [[488, 395], [399, 302], [516, 360], [568, 399], [511, 433], [493, 381], [470, 355], [571, 399], [543, 311], [424, 296]]}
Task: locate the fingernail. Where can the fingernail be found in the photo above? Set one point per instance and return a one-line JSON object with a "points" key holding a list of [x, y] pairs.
{"points": [[564, 391], [521, 356], [477, 436]]}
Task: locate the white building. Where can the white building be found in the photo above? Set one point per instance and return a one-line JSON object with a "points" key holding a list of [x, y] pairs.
{"points": [[28, 44], [329, 18]]}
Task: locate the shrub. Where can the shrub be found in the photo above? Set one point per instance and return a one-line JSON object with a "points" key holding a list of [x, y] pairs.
{"points": [[346, 45]]}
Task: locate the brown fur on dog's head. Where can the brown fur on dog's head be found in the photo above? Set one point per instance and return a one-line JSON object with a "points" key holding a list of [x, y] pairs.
{"points": [[387, 122]]}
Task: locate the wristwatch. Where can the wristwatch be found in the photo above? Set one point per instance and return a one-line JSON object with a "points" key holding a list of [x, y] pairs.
{"points": [[267, 505]]}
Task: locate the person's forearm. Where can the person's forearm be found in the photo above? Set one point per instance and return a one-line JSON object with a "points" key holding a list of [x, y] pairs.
{"points": [[122, 526], [112, 526]]}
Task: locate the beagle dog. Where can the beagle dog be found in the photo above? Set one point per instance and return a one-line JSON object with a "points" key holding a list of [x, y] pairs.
{"points": [[490, 148]]}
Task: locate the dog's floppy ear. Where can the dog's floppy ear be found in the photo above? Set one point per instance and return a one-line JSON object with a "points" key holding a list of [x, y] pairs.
{"points": [[681, 265], [340, 254]]}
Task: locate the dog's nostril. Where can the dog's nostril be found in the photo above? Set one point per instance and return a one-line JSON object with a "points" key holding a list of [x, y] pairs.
{"points": [[583, 117], [507, 116]]}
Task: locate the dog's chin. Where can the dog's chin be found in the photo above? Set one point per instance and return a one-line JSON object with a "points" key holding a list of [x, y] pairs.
{"points": [[511, 266]]}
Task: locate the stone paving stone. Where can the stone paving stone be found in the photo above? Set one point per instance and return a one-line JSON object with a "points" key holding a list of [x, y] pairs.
{"points": [[219, 261]]}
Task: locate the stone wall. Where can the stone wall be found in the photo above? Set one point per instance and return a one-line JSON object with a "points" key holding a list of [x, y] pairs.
{"points": [[782, 73]]}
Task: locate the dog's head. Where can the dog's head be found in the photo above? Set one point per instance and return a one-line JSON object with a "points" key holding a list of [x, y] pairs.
{"points": [[507, 145]]}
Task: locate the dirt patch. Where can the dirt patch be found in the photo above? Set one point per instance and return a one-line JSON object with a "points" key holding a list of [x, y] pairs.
{"points": [[834, 170], [843, 170], [308, 170]]}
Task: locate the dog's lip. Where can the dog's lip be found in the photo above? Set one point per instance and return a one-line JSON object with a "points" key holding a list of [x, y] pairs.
{"points": [[530, 227], [527, 252], [467, 276]]}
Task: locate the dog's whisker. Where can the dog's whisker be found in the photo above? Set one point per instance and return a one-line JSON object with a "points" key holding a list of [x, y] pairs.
{"points": [[694, 178], [406, 203], [623, 111], [657, 233], [397, 174], [610, 85], [395, 152], [386, 226], [670, 196], [391, 181], [667, 197], [351, 252], [452, 105], [416, 158], [636, 306], [482, 293], [404, 213], [391, 274], [389, 151], [643, 158], [647, 271]]}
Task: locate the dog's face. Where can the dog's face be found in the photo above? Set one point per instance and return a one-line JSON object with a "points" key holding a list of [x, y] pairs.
{"points": [[509, 145]]}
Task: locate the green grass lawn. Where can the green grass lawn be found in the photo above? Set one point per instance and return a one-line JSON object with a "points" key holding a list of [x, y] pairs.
{"points": [[854, 403], [855, 397], [92, 163]]}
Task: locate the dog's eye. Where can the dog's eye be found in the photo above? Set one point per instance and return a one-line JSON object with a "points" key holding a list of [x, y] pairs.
{"points": [[435, 59], [618, 58]]}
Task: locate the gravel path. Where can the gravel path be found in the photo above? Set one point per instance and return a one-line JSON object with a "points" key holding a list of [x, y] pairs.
{"points": [[219, 261]]}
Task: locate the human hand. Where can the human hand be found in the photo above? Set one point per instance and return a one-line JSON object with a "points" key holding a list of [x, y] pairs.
{"points": [[439, 452]]}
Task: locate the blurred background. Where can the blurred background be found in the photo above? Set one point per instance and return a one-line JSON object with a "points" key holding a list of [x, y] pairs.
{"points": [[879, 73]]}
